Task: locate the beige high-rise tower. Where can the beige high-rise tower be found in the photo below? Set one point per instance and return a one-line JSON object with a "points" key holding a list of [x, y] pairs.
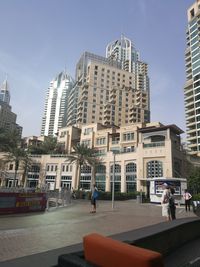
{"points": [[108, 93], [192, 85]]}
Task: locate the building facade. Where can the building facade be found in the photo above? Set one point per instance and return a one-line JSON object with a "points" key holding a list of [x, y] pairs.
{"points": [[192, 85], [140, 152], [56, 103]]}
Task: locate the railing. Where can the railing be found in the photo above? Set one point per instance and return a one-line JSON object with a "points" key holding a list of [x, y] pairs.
{"points": [[154, 144], [57, 199]]}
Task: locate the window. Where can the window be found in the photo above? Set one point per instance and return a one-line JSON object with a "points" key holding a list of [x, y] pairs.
{"points": [[86, 169], [86, 143], [127, 149], [101, 141], [128, 136], [88, 130], [11, 167], [131, 167], [154, 169], [101, 169], [117, 168]]}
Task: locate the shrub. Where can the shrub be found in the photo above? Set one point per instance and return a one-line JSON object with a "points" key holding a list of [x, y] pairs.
{"points": [[196, 197]]}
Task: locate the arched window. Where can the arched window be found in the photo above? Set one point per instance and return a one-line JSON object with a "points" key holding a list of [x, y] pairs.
{"points": [[117, 168], [85, 179], [101, 169], [131, 176], [154, 169], [131, 167], [117, 186], [101, 177]]}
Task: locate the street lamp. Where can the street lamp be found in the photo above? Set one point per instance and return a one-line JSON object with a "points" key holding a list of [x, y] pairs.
{"points": [[113, 182]]}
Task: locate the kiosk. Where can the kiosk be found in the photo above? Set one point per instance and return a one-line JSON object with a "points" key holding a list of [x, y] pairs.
{"points": [[156, 188]]}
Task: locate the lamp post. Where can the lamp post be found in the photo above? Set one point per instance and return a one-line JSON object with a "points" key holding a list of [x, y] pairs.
{"points": [[113, 182]]}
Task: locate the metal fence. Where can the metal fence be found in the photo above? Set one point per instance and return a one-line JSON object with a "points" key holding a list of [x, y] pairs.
{"points": [[57, 199], [54, 198]]}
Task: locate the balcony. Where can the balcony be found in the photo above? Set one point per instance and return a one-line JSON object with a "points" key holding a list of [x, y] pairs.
{"points": [[114, 142], [154, 144]]}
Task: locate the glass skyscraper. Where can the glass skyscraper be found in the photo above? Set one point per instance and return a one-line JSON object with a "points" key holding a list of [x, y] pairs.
{"points": [[192, 85]]}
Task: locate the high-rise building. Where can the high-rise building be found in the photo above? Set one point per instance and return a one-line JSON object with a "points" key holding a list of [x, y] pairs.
{"points": [[5, 93], [192, 85], [55, 113], [7, 117], [124, 52], [109, 94]]}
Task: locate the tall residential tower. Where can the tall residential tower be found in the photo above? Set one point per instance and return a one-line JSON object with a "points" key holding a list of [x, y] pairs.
{"points": [[55, 113], [192, 85]]}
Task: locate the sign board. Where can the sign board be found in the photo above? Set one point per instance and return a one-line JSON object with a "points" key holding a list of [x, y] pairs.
{"points": [[22, 202]]}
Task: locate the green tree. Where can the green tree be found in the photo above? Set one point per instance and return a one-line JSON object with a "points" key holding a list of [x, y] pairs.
{"points": [[16, 155], [47, 147], [194, 180], [81, 156], [9, 140]]}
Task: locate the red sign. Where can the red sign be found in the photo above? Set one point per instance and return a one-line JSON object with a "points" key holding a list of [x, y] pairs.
{"points": [[22, 202]]}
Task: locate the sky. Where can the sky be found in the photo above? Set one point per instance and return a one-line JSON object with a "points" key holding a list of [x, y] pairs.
{"points": [[39, 39]]}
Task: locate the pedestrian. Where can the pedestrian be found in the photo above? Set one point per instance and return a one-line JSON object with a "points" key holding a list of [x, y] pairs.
{"points": [[172, 205], [94, 197], [73, 193], [165, 202], [187, 196]]}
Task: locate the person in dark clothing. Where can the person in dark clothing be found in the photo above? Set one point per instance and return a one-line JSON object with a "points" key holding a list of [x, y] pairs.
{"points": [[94, 197], [172, 205]]}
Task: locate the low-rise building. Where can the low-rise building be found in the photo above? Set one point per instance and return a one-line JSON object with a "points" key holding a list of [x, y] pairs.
{"points": [[139, 152]]}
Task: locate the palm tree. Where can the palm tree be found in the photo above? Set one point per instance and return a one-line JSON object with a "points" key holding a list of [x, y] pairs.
{"points": [[3, 172], [15, 155], [26, 163], [8, 139], [81, 156]]}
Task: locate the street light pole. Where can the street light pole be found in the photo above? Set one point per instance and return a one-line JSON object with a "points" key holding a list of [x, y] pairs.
{"points": [[113, 182]]}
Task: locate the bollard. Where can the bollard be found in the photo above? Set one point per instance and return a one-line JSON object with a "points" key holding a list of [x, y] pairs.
{"points": [[47, 205]]}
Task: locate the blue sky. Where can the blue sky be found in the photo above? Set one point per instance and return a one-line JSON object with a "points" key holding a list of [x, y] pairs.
{"points": [[41, 38]]}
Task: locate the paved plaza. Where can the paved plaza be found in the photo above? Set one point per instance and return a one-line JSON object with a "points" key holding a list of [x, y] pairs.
{"points": [[22, 235]]}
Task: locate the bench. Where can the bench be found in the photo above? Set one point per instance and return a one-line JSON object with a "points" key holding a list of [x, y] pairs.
{"points": [[106, 252]]}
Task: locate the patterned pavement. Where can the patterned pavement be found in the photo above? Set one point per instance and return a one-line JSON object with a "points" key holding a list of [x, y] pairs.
{"points": [[22, 235]]}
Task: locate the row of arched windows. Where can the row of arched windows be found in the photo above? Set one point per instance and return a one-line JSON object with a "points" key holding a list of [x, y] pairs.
{"points": [[154, 169]]}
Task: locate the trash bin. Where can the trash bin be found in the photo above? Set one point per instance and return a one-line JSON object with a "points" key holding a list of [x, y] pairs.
{"points": [[139, 199]]}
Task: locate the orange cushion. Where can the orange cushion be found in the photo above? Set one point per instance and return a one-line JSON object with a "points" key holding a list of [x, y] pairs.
{"points": [[107, 252]]}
